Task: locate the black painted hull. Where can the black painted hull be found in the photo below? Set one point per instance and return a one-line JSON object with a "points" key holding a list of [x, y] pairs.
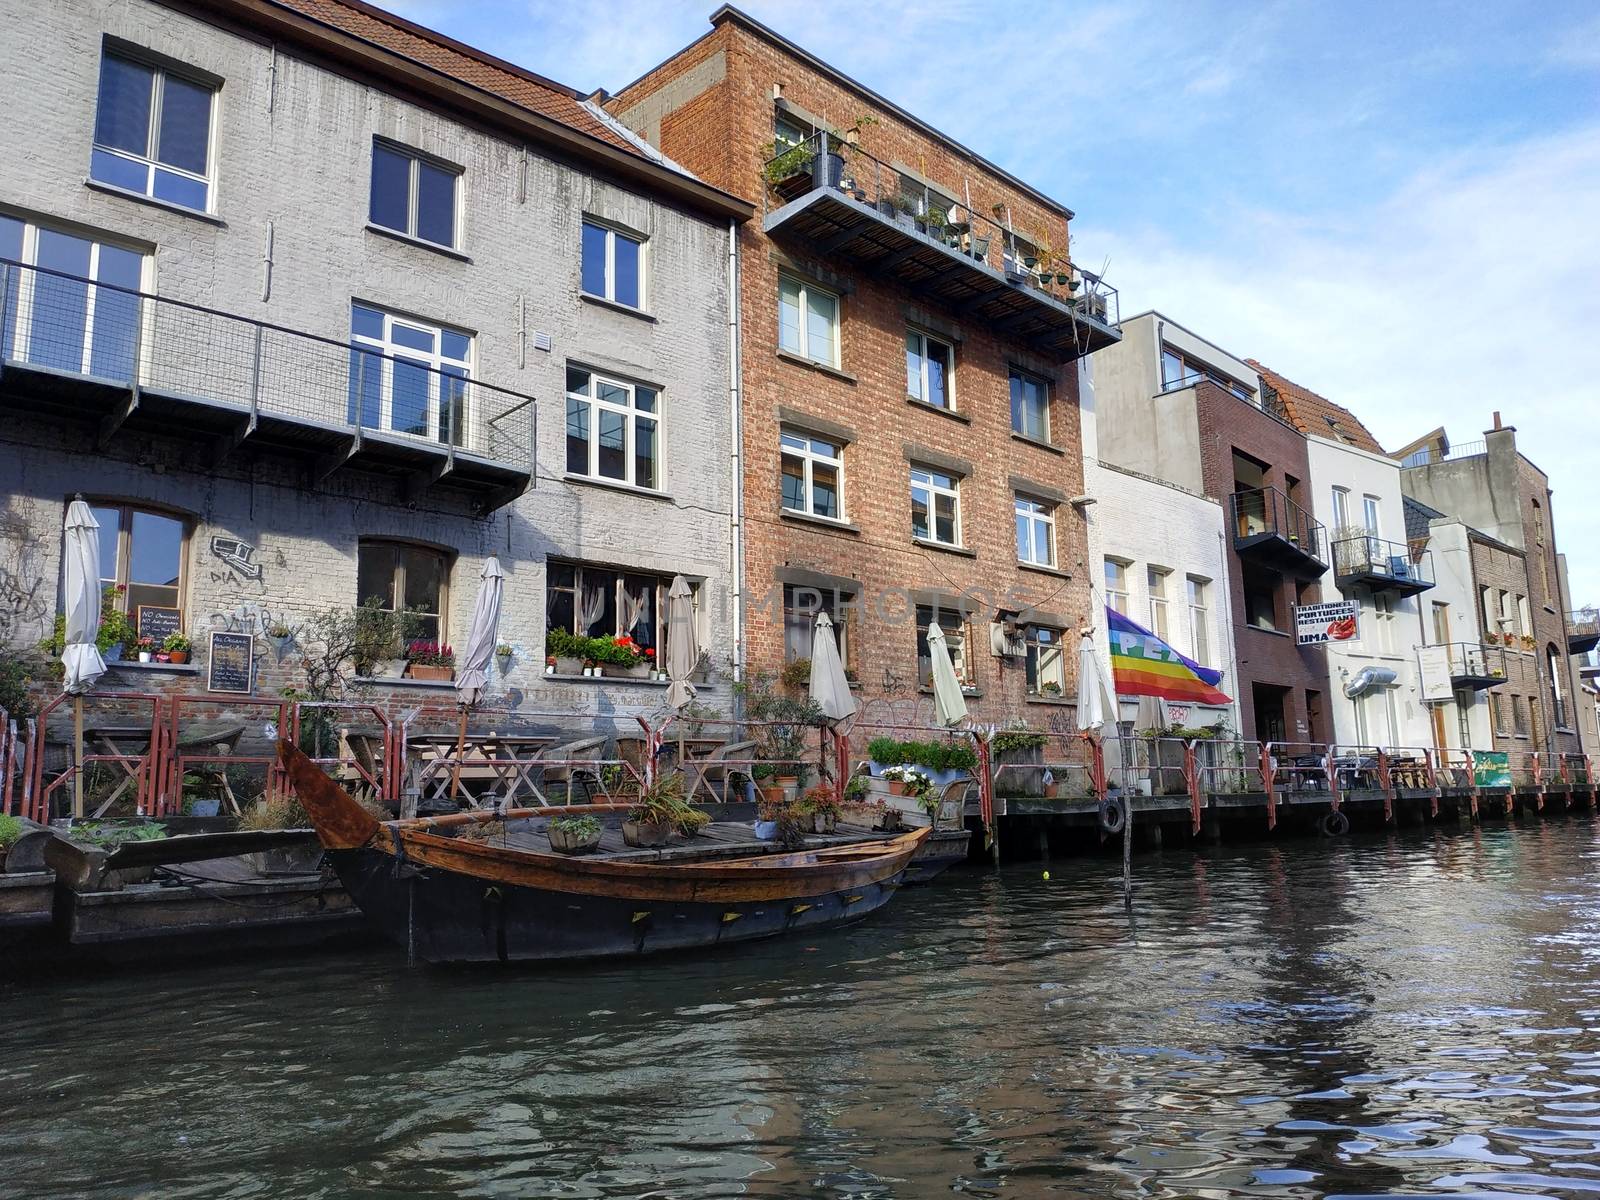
{"points": [[441, 916]]}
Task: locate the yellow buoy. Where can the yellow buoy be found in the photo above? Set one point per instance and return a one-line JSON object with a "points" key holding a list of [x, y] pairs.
{"points": [[1047, 874]]}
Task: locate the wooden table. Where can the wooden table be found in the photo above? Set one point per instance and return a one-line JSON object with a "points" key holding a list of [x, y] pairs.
{"points": [[498, 759], [125, 744]]}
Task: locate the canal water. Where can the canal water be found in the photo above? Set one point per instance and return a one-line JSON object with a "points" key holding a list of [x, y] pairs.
{"points": [[1415, 1015]]}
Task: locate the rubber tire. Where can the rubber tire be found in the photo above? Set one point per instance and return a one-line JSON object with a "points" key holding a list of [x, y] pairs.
{"points": [[1334, 824], [1113, 816]]}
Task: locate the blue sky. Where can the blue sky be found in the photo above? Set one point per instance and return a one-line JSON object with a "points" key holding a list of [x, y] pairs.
{"points": [[1395, 204]]}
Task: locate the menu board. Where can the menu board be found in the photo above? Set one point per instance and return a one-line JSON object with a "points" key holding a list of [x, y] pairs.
{"points": [[154, 622], [230, 666]]}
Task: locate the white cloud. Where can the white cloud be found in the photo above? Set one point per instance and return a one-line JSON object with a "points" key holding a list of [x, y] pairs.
{"points": [[1471, 288]]}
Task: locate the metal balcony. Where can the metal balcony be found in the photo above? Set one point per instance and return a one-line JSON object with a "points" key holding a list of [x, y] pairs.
{"points": [[1476, 667], [848, 205], [1381, 566], [1274, 531], [130, 362], [1583, 630]]}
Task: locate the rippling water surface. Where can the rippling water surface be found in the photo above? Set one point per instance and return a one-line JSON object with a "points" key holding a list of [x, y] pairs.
{"points": [[1412, 1016]]}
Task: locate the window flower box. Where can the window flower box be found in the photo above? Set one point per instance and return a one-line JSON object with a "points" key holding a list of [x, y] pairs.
{"points": [[425, 671]]}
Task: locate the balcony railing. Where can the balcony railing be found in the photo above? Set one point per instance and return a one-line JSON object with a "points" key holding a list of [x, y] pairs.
{"points": [[1476, 667], [1583, 630], [1272, 528], [135, 361], [852, 205], [1428, 455], [1381, 566]]}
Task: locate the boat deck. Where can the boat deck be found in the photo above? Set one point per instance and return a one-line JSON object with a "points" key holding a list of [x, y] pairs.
{"points": [[717, 840]]}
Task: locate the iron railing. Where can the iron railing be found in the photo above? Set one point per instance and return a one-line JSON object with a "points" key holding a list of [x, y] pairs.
{"points": [[1583, 625], [1366, 554], [1259, 511], [70, 325], [824, 161], [1469, 660], [1428, 455]]}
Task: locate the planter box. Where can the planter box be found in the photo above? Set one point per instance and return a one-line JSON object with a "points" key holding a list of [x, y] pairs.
{"points": [[646, 836], [442, 674], [563, 842], [568, 666], [642, 671], [823, 822]]}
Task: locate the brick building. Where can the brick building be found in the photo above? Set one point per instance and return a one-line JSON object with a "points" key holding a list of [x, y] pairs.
{"points": [[286, 288], [910, 318], [1176, 407]]}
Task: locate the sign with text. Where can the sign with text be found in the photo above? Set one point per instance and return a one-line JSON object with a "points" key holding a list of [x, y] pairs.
{"points": [[1315, 624], [155, 622], [1433, 664], [1491, 768], [231, 665]]}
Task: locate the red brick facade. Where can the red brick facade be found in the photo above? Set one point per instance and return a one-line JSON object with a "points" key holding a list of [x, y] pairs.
{"points": [[712, 109]]}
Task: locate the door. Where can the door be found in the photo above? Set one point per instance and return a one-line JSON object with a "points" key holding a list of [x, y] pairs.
{"points": [[1268, 705], [1441, 740]]}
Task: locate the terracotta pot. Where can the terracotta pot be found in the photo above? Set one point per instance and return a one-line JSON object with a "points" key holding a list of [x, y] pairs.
{"points": [[565, 842], [178, 656], [646, 834], [772, 793], [418, 671], [1051, 790], [897, 787]]}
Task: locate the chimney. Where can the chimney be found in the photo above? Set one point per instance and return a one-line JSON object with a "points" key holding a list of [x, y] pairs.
{"points": [[1497, 418]]}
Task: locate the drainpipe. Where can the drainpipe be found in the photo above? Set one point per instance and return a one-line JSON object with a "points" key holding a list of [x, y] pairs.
{"points": [[1226, 597], [735, 456]]}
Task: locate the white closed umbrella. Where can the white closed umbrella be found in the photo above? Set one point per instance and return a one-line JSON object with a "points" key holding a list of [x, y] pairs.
{"points": [[80, 659], [683, 645], [472, 669], [1095, 709], [830, 689], [949, 703]]}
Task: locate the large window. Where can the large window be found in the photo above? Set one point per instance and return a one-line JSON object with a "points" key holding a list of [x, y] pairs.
{"points": [[1341, 509], [1369, 515], [935, 506], [406, 578], [1156, 588], [1036, 531], [1519, 716], [152, 133], [1030, 407], [1261, 589], [613, 265], [1046, 661], [613, 429], [1180, 371], [62, 320], [1555, 665], [1384, 617], [1199, 620], [593, 601], [800, 608], [1117, 585], [1441, 623], [955, 637], [407, 376], [413, 194], [813, 475], [930, 370], [808, 321], [142, 553]]}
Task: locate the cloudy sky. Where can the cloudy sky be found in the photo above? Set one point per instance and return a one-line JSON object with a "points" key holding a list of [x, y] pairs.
{"points": [[1394, 204]]}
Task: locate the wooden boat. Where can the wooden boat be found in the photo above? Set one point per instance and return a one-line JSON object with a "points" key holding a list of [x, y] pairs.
{"points": [[448, 893]]}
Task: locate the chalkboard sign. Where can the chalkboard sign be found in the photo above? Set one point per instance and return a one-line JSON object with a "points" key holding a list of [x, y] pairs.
{"points": [[232, 660], [154, 622]]}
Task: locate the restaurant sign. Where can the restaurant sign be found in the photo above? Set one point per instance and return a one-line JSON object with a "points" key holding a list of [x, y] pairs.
{"points": [[1315, 624]]}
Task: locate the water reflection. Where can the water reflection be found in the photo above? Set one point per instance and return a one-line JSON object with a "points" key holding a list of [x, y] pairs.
{"points": [[1396, 1016]]}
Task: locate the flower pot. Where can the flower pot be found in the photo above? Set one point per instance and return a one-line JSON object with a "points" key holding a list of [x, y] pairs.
{"points": [[419, 671], [646, 834], [162, 656], [889, 820], [112, 653], [280, 644], [1051, 790], [205, 808], [766, 830], [144, 656], [823, 822], [503, 661], [772, 793], [568, 666], [897, 787], [389, 668], [566, 842], [638, 671], [178, 656]]}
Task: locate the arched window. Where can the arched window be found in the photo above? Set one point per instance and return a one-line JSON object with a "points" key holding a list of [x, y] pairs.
{"points": [[1558, 695], [143, 552], [406, 576]]}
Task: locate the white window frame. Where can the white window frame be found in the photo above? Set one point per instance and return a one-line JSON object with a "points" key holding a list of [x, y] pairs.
{"points": [[1156, 592], [1116, 598], [1044, 388], [924, 340], [1035, 513], [1371, 514], [631, 414], [437, 362], [803, 291], [1035, 654], [1341, 510], [808, 458], [612, 234], [153, 133], [1384, 615], [1199, 617], [953, 624], [934, 491], [414, 194], [22, 330]]}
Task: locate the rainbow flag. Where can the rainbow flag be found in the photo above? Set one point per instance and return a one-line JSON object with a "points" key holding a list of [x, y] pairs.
{"points": [[1143, 665]]}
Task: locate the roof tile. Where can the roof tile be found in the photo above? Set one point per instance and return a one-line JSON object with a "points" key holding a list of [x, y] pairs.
{"points": [[1314, 414]]}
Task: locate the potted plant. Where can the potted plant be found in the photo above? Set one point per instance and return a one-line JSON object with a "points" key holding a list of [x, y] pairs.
{"points": [[550, 664], [430, 660], [502, 657], [789, 169], [11, 831], [903, 781], [116, 631], [769, 807], [822, 807], [575, 835], [796, 674], [659, 809], [147, 647], [566, 649], [769, 788], [1050, 688], [177, 647], [889, 820], [279, 635]]}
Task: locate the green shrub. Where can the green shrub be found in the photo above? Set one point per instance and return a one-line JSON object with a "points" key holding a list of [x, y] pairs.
{"points": [[11, 829], [951, 755]]}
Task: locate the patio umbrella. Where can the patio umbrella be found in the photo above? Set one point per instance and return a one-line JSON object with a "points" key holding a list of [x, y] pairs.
{"points": [[683, 648], [830, 689], [80, 658], [1095, 709], [472, 675], [949, 704]]}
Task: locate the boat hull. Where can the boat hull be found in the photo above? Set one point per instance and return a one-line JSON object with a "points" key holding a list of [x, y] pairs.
{"points": [[441, 916]]}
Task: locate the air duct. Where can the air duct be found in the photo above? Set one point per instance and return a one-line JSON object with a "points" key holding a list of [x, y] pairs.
{"points": [[1369, 679]]}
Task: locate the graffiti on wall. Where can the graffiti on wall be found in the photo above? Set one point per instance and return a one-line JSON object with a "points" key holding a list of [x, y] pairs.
{"points": [[239, 556]]}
